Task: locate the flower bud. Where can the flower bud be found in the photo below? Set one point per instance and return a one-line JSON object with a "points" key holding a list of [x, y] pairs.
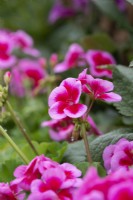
{"points": [[7, 77], [53, 59]]}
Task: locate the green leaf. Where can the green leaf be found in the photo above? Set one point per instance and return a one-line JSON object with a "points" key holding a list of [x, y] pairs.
{"points": [[54, 150], [6, 170], [110, 8], [123, 81], [84, 166], [99, 144], [99, 41], [130, 1], [76, 152]]}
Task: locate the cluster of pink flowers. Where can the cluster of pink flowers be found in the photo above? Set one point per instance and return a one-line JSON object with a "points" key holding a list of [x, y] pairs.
{"points": [[119, 155], [64, 103], [61, 129], [116, 186], [43, 179], [97, 61], [12, 41], [64, 100]]}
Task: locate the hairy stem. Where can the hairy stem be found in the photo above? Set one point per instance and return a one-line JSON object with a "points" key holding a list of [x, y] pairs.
{"points": [[20, 126], [87, 148], [15, 147]]}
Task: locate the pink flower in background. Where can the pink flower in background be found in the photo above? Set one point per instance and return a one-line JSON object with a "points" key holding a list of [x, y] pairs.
{"points": [[32, 70], [24, 42], [6, 193], [98, 88], [63, 10], [60, 129], [119, 155], [64, 100], [116, 186], [97, 60], [7, 60], [121, 4], [74, 57], [26, 70], [59, 11]]}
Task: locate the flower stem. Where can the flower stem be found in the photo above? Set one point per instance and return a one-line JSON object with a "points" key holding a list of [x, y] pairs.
{"points": [[89, 109], [20, 126], [87, 148], [15, 147]]}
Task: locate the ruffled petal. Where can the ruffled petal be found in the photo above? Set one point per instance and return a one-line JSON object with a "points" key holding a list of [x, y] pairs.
{"points": [[61, 67], [100, 86], [76, 110], [57, 110], [73, 87], [110, 97], [58, 94]]}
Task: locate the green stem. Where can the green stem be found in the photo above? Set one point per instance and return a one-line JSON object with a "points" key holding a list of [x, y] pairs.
{"points": [[89, 109], [87, 148], [15, 147], [20, 126]]}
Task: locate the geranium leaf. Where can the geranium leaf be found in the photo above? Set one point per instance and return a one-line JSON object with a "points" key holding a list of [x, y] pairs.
{"points": [[123, 81]]}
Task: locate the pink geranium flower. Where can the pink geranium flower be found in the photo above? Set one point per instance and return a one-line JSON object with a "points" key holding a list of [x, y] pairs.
{"points": [[73, 58], [98, 88], [6, 47], [64, 100], [116, 186], [118, 156], [26, 70], [57, 183], [60, 129], [97, 60], [24, 42], [25, 174]]}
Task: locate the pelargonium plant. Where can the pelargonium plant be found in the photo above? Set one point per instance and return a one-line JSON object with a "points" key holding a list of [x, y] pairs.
{"points": [[57, 110]]}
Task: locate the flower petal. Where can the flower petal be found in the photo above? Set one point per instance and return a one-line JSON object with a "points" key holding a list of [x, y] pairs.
{"points": [[73, 87], [110, 97], [57, 110], [58, 94], [75, 111], [61, 67], [100, 86]]}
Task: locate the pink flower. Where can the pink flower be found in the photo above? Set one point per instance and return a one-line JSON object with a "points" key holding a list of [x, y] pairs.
{"points": [[24, 42], [60, 129], [119, 155], [97, 60], [27, 69], [73, 58], [6, 193], [116, 186], [25, 174], [63, 100], [98, 88], [32, 70], [6, 47], [56, 183]]}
